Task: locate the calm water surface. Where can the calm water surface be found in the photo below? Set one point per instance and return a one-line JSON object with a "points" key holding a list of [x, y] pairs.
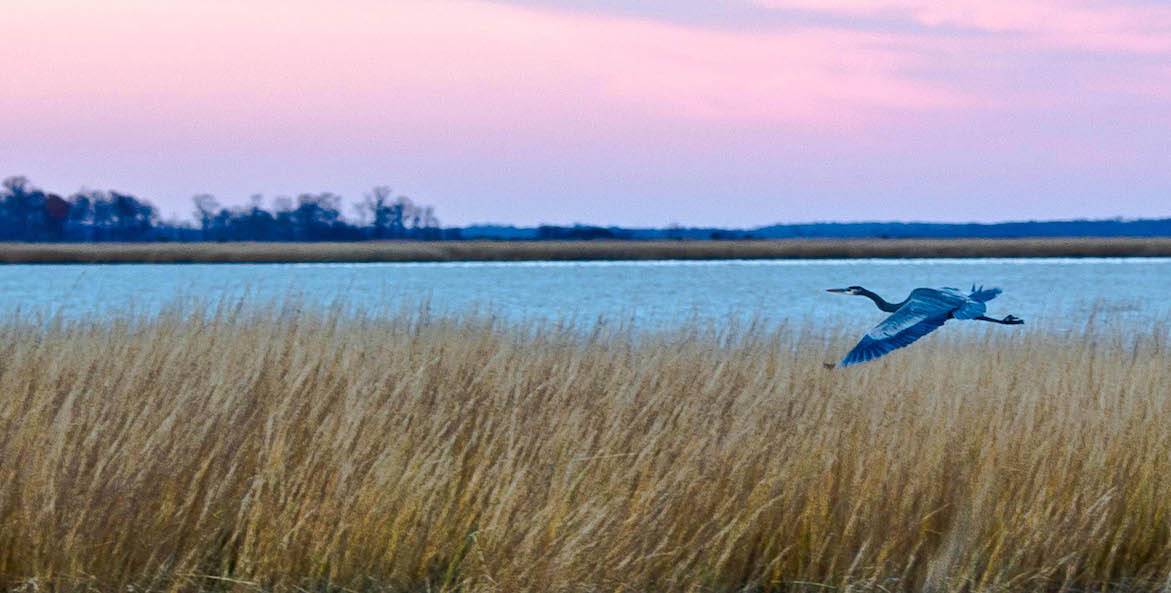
{"points": [[1058, 293]]}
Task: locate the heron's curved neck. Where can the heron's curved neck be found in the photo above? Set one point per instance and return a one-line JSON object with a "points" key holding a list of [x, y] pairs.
{"points": [[882, 304]]}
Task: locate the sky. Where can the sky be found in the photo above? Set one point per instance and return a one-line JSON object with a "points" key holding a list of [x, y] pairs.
{"points": [[733, 113]]}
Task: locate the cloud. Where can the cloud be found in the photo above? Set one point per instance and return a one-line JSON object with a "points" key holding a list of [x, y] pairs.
{"points": [[1098, 26], [802, 77], [475, 65]]}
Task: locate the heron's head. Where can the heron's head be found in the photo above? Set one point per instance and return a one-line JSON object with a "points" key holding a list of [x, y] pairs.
{"points": [[848, 290]]}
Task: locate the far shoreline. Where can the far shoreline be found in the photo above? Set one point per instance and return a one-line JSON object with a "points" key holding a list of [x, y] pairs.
{"points": [[604, 250]]}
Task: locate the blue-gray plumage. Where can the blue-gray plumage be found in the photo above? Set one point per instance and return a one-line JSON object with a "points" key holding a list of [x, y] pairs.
{"points": [[924, 311]]}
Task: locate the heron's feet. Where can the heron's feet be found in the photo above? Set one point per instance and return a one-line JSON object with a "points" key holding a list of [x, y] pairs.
{"points": [[1012, 320]]}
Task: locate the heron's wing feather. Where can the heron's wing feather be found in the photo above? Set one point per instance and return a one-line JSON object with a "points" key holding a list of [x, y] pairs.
{"points": [[935, 300], [983, 295], [878, 342]]}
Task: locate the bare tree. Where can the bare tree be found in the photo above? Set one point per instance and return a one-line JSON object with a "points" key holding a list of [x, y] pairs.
{"points": [[206, 208], [377, 203]]}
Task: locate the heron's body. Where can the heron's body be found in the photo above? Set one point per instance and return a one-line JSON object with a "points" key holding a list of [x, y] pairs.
{"points": [[924, 311]]}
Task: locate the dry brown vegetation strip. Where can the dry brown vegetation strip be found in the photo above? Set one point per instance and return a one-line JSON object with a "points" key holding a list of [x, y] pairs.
{"points": [[404, 251], [291, 451]]}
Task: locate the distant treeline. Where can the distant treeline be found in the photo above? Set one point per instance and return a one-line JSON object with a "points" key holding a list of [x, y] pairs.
{"points": [[30, 214]]}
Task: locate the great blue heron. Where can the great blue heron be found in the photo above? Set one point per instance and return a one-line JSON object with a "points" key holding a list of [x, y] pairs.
{"points": [[925, 310]]}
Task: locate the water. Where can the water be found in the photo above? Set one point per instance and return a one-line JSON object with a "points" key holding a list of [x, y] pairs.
{"points": [[1058, 293]]}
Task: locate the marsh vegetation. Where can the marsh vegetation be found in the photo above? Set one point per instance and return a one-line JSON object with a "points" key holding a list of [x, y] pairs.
{"points": [[277, 449], [421, 251]]}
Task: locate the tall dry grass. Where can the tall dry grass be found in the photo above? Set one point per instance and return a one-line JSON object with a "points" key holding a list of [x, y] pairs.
{"points": [[295, 451], [415, 251]]}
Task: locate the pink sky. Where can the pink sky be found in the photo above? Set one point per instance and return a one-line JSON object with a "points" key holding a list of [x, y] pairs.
{"points": [[736, 113]]}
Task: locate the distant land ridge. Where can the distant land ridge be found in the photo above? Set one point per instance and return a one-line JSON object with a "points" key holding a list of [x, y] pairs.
{"points": [[839, 230]]}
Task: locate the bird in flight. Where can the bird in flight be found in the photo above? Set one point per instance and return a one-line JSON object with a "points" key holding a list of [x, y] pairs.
{"points": [[924, 311]]}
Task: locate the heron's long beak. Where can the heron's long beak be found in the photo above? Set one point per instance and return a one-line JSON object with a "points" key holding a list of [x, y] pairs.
{"points": [[837, 290]]}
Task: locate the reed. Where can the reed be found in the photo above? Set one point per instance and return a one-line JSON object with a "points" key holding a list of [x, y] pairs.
{"points": [[285, 450], [412, 251]]}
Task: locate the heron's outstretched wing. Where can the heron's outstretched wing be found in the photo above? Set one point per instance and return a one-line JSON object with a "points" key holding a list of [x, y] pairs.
{"points": [[912, 321]]}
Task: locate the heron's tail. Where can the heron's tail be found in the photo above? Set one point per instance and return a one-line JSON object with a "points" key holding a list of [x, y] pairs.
{"points": [[982, 295]]}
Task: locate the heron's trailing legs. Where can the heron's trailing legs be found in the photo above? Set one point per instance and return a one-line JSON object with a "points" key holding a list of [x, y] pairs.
{"points": [[1008, 320]]}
